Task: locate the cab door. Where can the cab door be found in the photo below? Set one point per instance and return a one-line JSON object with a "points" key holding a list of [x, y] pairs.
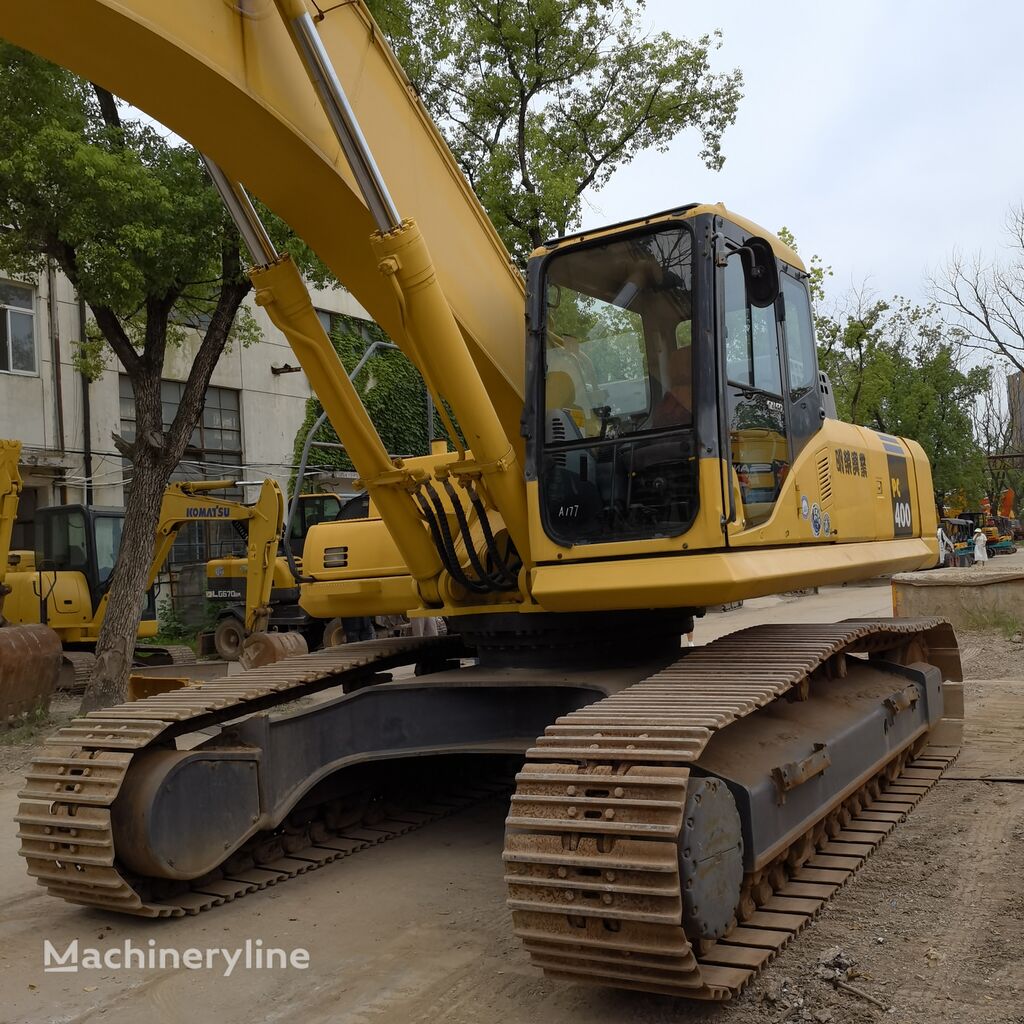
{"points": [[756, 443]]}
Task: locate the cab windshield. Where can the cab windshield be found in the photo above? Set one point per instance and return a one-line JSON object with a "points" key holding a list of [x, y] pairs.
{"points": [[618, 390]]}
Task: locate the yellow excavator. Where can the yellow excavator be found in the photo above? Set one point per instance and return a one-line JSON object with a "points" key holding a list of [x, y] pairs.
{"points": [[656, 440], [371, 580], [64, 586], [30, 657]]}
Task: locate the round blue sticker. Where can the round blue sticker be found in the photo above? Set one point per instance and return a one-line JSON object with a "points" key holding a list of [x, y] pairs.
{"points": [[826, 525], [815, 519]]}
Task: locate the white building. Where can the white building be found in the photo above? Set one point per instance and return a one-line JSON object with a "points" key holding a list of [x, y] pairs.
{"points": [[255, 405]]}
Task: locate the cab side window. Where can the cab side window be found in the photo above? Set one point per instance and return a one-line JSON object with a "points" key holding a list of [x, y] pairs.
{"points": [[803, 365], [752, 340], [759, 446]]}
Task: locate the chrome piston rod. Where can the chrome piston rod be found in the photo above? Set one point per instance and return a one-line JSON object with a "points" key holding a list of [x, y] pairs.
{"points": [[340, 114]]}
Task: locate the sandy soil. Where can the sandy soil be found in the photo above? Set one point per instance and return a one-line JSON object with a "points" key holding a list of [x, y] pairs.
{"points": [[416, 930]]}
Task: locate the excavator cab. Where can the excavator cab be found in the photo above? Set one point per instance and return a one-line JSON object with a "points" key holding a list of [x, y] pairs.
{"points": [[618, 457], [76, 539], [659, 345], [313, 509]]}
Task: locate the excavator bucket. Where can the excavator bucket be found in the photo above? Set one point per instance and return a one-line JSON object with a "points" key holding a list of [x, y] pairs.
{"points": [[30, 660]]}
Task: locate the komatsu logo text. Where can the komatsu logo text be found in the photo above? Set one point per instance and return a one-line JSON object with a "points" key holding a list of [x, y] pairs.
{"points": [[207, 513]]}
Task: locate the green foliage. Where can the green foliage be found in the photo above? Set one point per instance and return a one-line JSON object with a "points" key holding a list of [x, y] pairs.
{"points": [[817, 271], [128, 216], [89, 357], [391, 389], [897, 367], [134, 210], [172, 628], [543, 101], [1008, 625], [27, 728]]}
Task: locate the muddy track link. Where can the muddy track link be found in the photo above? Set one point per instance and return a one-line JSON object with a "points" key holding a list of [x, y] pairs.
{"points": [[595, 827], [65, 822], [177, 654], [78, 665], [75, 671]]}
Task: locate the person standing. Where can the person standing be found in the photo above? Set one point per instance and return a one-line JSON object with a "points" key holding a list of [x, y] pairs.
{"points": [[980, 548]]}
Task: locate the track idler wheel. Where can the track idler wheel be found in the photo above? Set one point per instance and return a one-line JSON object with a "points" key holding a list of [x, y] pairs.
{"points": [[710, 859]]}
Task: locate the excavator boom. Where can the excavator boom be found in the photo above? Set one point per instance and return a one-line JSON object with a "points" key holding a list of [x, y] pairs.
{"points": [[231, 83]]}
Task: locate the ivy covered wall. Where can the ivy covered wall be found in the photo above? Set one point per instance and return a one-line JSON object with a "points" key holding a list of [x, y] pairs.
{"points": [[391, 389]]}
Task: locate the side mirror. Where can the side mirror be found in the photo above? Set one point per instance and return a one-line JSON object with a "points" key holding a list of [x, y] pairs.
{"points": [[761, 271]]}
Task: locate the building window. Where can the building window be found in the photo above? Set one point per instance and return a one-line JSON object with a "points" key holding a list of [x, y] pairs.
{"points": [[326, 318], [17, 328], [214, 452]]}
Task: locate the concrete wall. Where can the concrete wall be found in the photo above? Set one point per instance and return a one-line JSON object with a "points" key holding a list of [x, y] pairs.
{"points": [[968, 598], [272, 405]]}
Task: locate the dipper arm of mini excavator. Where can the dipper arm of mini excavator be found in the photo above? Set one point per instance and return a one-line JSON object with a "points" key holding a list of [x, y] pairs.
{"points": [[10, 491], [195, 501]]}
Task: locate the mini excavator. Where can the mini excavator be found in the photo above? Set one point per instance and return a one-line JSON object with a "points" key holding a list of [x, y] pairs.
{"points": [[656, 440], [62, 588]]}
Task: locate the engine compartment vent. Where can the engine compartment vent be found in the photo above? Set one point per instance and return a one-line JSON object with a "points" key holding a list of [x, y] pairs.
{"points": [[824, 478]]}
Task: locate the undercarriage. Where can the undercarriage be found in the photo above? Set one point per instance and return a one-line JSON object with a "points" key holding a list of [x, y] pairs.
{"points": [[675, 824]]}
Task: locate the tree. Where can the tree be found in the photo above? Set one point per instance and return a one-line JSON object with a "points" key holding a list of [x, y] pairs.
{"points": [[987, 299], [138, 229], [898, 368], [541, 102], [817, 270], [994, 429]]}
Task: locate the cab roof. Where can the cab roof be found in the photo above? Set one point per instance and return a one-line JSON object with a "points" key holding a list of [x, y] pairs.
{"points": [[782, 251]]}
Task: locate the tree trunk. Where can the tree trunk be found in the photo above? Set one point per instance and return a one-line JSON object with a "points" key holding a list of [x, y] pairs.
{"points": [[155, 453], [115, 647]]}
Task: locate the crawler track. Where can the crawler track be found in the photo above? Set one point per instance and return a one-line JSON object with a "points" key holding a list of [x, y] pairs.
{"points": [[596, 827], [78, 665], [65, 822]]}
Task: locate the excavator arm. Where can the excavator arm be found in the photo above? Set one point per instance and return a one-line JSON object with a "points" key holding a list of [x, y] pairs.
{"points": [[331, 104], [10, 491], [194, 501]]}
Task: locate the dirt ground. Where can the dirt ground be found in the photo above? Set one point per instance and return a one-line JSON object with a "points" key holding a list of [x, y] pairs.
{"points": [[416, 929]]}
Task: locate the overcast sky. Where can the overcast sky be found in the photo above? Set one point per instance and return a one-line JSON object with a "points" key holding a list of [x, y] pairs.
{"points": [[882, 134]]}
